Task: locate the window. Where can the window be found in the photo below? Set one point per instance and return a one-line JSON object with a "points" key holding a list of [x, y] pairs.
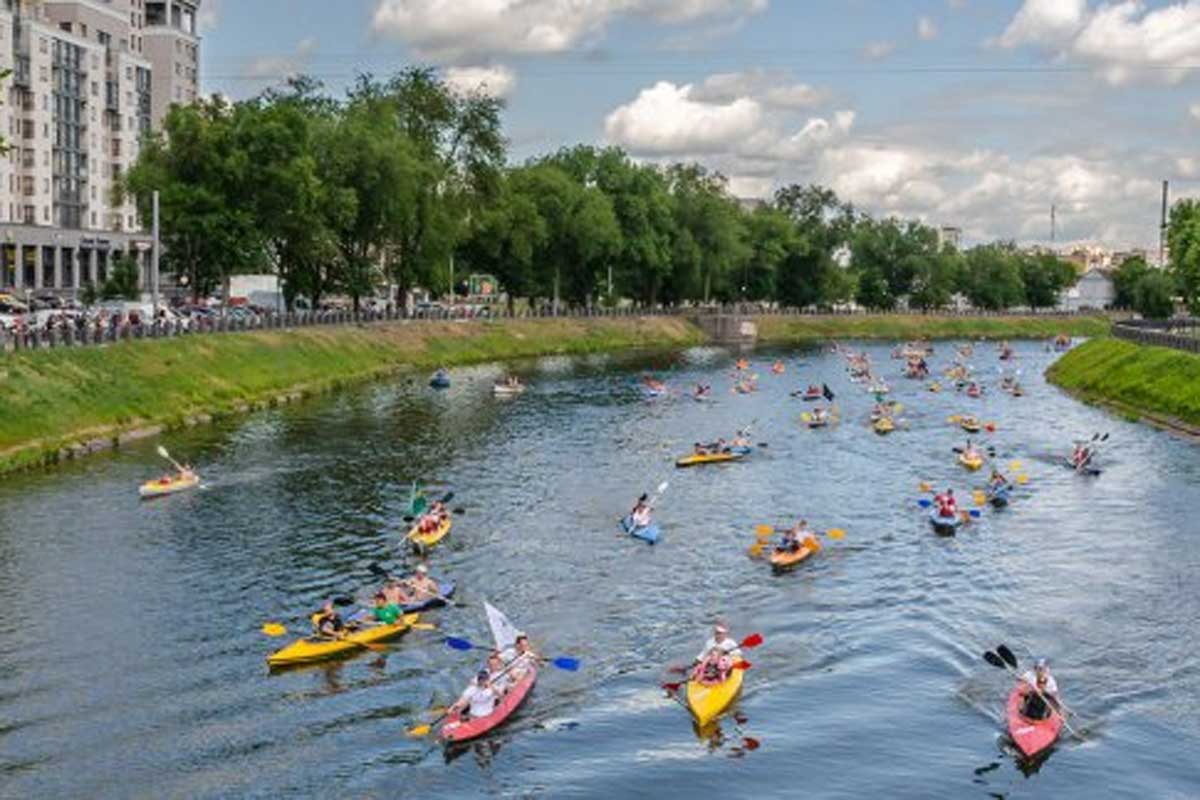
{"points": [[43, 73], [45, 213], [43, 45], [129, 73]]}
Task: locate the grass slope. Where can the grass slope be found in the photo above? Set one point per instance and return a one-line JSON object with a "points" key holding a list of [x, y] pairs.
{"points": [[1151, 380], [50, 399], [783, 329]]}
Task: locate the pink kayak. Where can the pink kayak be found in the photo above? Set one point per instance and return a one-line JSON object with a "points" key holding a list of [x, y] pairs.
{"points": [[1031, 736], [456, 729]]}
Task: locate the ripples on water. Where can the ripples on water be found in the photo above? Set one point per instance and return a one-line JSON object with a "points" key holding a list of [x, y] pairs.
{"points": [[131, 662]]}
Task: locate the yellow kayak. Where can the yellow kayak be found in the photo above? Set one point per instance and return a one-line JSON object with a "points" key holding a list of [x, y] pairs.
{"points": [[696, 459], [306, 651], [161, 487], [970, 463], [706, 702], [429, 539], [884, 425]]}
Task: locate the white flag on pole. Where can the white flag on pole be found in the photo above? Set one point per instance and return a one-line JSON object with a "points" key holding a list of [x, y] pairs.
{"points": [[503, 631]]}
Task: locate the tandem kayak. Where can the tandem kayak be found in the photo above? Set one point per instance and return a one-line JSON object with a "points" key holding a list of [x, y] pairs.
{"points": [[706, 701], [309, 650], [1031, 736], [429, 539], [696, 459], [648, 534], [971, 463], [457, 729], [162, 487], [945, 526]]}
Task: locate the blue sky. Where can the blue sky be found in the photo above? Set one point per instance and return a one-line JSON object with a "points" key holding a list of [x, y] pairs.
{"points": [[977, 113]]}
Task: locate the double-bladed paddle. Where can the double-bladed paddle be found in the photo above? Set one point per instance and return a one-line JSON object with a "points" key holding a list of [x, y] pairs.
{"points": [[562, 662], [1003, 658]]}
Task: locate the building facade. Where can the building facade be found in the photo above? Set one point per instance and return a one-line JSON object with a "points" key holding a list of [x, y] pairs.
{"points": [[90, 78]]}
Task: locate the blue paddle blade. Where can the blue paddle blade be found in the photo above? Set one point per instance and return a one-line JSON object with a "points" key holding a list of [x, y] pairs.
{"points": [[569, 664], [458, 644], [975, 513], [924, 503]]}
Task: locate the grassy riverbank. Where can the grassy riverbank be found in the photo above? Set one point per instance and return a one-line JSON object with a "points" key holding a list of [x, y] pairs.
{"points": [[904, 327], [1157, 383], [58, 402]]}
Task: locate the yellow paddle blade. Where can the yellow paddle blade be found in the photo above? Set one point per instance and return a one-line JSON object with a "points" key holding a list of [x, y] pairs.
{"points": [[764, 530], [273, 629], [756, 550], [980, 498], [410, 619], [925, 486], [420, 730], [1022, 479], [1014, 466], [954, 420], [837, 534], [807, 417], [423, 626]]}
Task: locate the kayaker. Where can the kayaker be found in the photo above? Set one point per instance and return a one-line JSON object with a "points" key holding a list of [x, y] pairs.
{"points": [[702, 390], [820, 415], [327, 622], [721, 446], [740, 440], [385, 613], [478, 700], [720, 642], [423, 586], [1040, 678], [498, 677], [971, 452], [640, 515], [946, 504], [699, 449], [396, 592], [519, 655], [795, 537], [1081, 456], [997, 480]]}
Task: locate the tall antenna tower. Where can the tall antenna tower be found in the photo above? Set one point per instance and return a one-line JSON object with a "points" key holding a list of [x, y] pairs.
{"points": [[1053, 224], [1162, 229]]}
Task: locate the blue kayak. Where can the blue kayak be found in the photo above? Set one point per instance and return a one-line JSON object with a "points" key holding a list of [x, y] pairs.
{"points": [[445, 587], [648, 534], [946, 526], [743, 450], [440, 380], [998, 497]]}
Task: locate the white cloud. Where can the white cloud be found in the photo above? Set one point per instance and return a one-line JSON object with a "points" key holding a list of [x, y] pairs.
{"points": [[454, 30], [208, 15], [667, 119], [775, 89], [1124, 40], [877, 51], [497, 81], [278, 67], [1194, 110], [927, 29]]}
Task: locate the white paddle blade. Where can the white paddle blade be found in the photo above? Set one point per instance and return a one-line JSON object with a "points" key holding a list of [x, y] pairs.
{"points": [[162, 451], [662, 487]]}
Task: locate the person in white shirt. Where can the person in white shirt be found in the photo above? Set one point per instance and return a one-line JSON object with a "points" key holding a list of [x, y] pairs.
{"points": [[479, 699], [718, 656], [1040, 679], [641, 513]]}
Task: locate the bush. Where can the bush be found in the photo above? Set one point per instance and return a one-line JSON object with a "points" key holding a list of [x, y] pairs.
{"points": [[1154, 295]]}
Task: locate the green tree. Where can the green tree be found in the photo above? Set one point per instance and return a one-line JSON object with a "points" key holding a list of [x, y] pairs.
{"points": [[810, 275], [770, 236], [507, 237], [122, 280], [992, 278], [1154, 295], [935, 279], [1126, 278], [1183, 237], [1044, 277]]}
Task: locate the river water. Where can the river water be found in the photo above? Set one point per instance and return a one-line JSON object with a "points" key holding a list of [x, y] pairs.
{"points": [[132, 662]]}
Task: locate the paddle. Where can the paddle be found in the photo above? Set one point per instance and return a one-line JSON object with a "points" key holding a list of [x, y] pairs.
{"points": [[765, 532], [446, 498], [674, 687], [1091, 451], [562, 662], [423, 730], [162, 451], [1004, 659], [749, 643]]}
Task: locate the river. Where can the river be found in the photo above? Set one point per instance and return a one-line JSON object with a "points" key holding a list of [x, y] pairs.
{"points": [[132, 662]]}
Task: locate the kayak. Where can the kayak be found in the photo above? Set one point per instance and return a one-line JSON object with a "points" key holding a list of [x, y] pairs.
{"points": [[935, 387], [429, 539], [1086, 470], [782, 559], [308, 650], [970, 463], [162, 487], [974, 392], [696, 459], [440, 380], [884, 425], [457, 729], [946, 526], [817, 423], [648, 534], [809, 396], [1031, 736], [445, 588], [971, 427], [707, 701], [504, 390]]}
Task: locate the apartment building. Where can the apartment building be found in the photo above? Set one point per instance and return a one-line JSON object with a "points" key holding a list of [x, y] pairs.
{"points": [[89, 79]]}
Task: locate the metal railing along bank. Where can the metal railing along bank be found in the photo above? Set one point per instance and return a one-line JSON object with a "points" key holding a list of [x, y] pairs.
{"points": [[88, 333], [1180, 333]]}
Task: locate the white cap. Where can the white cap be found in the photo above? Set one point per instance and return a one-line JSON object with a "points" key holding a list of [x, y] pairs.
{"points": [[720, 628], [421, 568], [1042, 664]]}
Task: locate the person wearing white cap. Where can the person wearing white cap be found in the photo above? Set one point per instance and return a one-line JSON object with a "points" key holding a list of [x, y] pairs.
{"points": [[1041, 680], [423, 587], [720, 648]]}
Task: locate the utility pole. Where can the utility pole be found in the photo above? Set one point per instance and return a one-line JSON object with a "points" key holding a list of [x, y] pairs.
{"points": [[1162, 229], [154, 252], [1053, 224]]}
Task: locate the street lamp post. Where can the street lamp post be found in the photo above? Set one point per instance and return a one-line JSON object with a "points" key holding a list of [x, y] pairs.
{"points": [[154, 259]]}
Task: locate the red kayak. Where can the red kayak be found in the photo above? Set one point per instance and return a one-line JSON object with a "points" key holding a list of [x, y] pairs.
{"points": [[1031, 736], [457, 729]]}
